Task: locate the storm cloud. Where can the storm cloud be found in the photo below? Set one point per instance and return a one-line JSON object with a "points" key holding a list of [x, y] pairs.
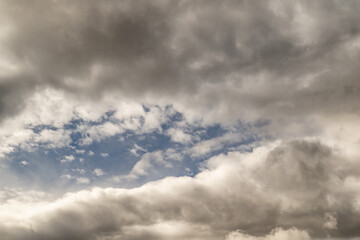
{"points": [[257, 104], [263, 59]]}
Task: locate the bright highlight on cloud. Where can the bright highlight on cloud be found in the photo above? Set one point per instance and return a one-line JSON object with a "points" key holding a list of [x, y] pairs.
{"points": [[232, 120]]}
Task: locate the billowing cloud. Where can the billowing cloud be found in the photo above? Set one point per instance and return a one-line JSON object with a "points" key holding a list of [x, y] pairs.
{"points": [[300, 184]]}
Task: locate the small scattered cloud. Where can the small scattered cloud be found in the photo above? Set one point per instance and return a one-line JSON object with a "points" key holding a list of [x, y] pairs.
{"points": [[82, 180], [79, 180], [67, 159], [79, 170], [24, 163], [78, 151], [98, 172], [66, 176], [137, 149]]}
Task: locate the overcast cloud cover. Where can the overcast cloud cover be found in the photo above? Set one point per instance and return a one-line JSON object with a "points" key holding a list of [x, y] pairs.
{"points": [[134, 120]]}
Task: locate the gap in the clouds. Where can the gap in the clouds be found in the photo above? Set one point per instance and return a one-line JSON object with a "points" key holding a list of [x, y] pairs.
{"points": [[104, 161], [213, 131], [42, 127]]}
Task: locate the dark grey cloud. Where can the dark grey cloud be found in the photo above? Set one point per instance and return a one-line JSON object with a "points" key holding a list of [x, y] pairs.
{"points": [[260, 59], [13, 92], [301, 184]]}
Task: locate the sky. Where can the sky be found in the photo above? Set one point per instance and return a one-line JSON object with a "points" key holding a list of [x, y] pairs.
{"points": [[181, 120]]}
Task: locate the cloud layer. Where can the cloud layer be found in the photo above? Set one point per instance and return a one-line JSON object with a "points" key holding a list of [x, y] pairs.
{"points": [[226, 60], [301, 184]]}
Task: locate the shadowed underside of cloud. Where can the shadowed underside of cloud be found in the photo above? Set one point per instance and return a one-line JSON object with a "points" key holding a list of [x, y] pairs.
{"points": [[300, 184], [225, 60]]}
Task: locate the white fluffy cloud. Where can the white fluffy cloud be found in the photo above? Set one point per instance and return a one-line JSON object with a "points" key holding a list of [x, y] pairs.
{"points": [[67, 159], [98, 172], [177, 135]]}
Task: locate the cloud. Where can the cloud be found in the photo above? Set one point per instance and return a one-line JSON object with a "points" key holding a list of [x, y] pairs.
{"points": [[29, 140], [98, 133], [79, 170], [67, 159], [206, 147], [330, 222], [301, 186], [285, 69], [24, 163], [177, 135], [82, 180], [79, 180], [147, 164], [80, 151], [125, 66], [66, 176], [276, 234], [98, 172], [193, 56], [137, 149], [104, 154], [53, 138]]}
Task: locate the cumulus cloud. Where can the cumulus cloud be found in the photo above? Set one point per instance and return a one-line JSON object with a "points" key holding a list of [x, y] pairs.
{"points": [[80, 151], [98, 172], [67, 159], [66, 176], [248, 191], [82, 180], [24, 163]]}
